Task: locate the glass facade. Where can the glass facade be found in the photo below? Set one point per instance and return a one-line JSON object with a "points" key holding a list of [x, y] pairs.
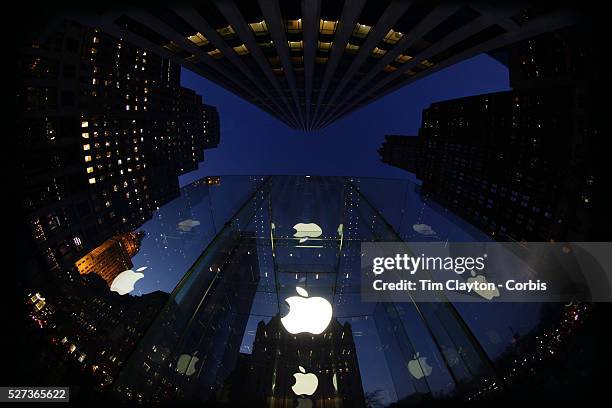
{"points": [[240, 249]]}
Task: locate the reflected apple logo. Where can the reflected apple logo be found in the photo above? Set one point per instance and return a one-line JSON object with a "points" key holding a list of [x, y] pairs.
{"points": [[305, 231], [305, 383], [125, 281], [424, 229], [419, 367], [482, 280], [187, 225], [306, 314], [186, 364]]}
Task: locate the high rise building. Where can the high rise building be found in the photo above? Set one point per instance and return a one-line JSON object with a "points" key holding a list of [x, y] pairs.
{"points": [[112, 257], [212, 125], [93, 331], [400, 151], [522, 164], [311, 62], [106, 129]]}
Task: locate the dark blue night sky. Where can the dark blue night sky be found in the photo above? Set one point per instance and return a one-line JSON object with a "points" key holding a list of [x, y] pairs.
{"points": [[253, 142]]}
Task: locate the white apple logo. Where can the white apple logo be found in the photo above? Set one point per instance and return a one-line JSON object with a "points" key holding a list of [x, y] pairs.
{"points": [[424, 229], [305, 384], [306, 314], [305, 231], [485, 293], [419, 367], [125, 281], [187, 225], [186, 364]]}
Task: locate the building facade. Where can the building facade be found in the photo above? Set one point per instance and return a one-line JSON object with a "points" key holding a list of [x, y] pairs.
{"points": [[522, 164], [106, 131], [91, 330], [112, 257], [400, 151], [311, 62]]}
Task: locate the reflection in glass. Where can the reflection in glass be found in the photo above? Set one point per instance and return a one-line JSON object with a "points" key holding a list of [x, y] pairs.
{"points": [[222, 337]]}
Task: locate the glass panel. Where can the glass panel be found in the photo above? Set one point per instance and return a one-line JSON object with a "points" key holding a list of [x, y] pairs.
{"points": [[265, 275]]}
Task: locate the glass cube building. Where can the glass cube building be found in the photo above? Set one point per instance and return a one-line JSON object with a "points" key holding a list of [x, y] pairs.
{"points": [[233, 249]]}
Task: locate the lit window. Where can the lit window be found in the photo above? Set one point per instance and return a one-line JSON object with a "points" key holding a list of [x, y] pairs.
{"points": [[297, 60], [294, 26], [327, 27], [86, 147], [393, 37], [90, 170], [352, 48], [402, 58], [361, 30], [426, 63], [241, 49], [84, 124], [198, 39], [227, 32], [295, 45], [390, 68], [321, 60], [216, 53], [87, 159], [92, 180], [85, 135], [259, 28], [378, 52], [172, 47], [325, 46]]}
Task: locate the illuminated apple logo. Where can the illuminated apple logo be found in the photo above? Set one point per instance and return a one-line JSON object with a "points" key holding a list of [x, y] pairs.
{"points": [[186, 364], [305, 231], [125, 281], [305, 383], [480, 289], [419, 367], [306, 314]]}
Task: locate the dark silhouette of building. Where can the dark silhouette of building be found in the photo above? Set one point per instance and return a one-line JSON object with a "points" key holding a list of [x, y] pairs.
{"points": [[112, 257], [266, 377], [400, 151], [311, 62], [212, 126], [195, 342], [525, 164], [92, 329], [105, 131]]}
